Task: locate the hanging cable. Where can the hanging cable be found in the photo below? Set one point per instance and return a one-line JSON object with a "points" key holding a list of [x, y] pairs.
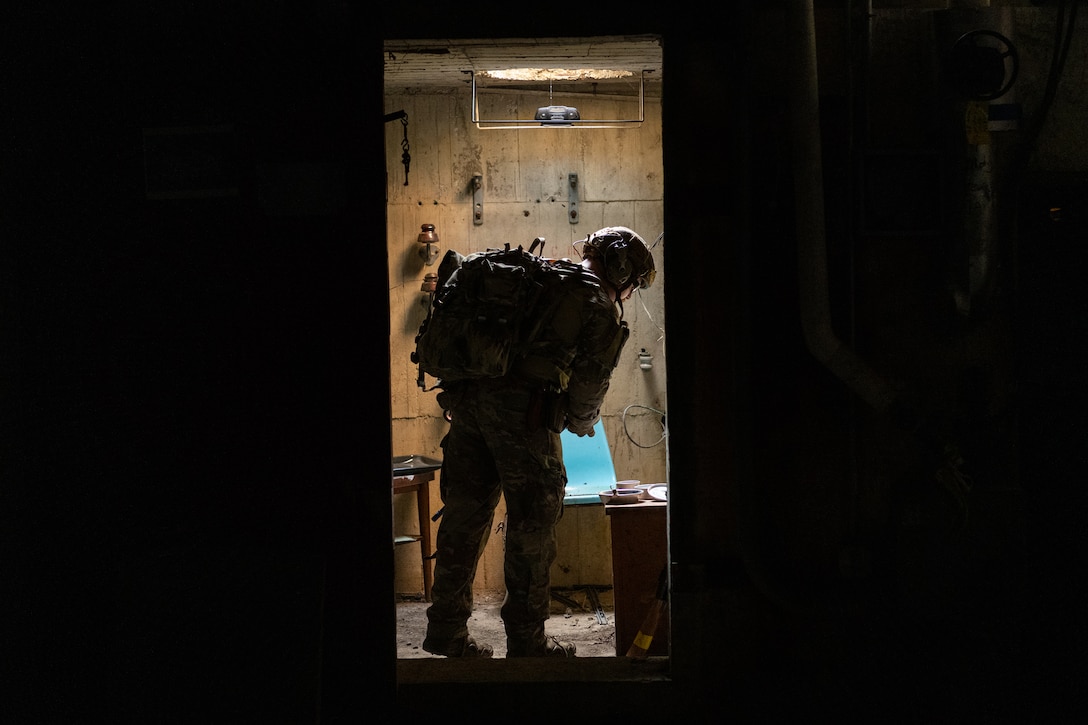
{"points": [[643, 302], [650, 317], [664, 427]]}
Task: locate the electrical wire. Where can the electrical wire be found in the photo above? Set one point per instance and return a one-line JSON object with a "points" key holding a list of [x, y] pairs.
{"points": [[643, 302], [651, 318], [664, 426]]}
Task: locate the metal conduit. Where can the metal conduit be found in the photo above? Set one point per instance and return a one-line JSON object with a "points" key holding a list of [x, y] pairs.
{"points": [[820, 337], [815, 308]]}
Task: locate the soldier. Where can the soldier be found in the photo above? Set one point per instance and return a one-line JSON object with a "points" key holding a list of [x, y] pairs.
{"points": [[504, 438]]}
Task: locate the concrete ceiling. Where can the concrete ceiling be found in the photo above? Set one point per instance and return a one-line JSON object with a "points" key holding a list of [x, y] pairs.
{"points": [[447, 63]]}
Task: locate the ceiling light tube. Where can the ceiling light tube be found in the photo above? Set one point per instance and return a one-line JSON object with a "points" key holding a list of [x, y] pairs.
{"points": [[516, 123]]}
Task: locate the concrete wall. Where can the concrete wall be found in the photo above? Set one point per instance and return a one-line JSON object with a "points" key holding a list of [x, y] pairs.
{"points": [[525, 195]]}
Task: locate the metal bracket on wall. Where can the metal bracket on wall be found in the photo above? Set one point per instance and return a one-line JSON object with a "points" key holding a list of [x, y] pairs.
{"points": [[477, 199], [572, 202]]}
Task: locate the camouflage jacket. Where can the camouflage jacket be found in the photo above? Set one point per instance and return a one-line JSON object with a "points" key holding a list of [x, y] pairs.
{"points": [[576, 348]]}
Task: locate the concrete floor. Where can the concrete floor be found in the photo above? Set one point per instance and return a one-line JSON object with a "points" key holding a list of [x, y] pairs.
{"points": [[592, 637]]}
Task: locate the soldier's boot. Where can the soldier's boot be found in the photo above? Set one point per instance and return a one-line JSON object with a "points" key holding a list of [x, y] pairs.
{"points": [[538, 645], [457, 647]]}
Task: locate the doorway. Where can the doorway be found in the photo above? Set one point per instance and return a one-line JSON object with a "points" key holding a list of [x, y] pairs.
{"points": [[482, 187]]}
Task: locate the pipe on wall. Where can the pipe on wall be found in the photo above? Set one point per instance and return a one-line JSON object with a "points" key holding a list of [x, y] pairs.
{"points": [[819, 334]]}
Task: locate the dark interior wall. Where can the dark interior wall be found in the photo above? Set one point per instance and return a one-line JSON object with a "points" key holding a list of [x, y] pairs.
{"points": [[191, 415], [869, 568], [1052, 383]]}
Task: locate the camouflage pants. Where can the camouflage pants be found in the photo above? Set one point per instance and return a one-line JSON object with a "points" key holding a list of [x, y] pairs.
{"points": [[491, 450]]}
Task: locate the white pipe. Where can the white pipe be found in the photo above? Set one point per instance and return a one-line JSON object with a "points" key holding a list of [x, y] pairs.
{"points": [[820, 337]]}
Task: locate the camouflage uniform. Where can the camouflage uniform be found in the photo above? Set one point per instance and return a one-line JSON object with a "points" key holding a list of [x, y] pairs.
{"points": [[504, 439]]}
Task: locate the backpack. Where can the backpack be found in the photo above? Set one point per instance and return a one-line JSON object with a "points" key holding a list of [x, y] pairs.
{"points": [[486, 312]]}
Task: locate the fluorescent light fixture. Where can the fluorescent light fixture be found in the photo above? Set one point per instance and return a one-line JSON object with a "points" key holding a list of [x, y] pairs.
{"points": [[558, 116], [555, 74]]}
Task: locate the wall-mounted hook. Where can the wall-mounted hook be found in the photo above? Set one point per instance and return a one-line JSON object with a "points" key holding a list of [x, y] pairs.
{"points": [[477, 199], [572, 199]]}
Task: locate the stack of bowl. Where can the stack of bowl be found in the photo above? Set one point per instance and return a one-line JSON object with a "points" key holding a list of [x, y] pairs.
{"points": [[620, 495]]}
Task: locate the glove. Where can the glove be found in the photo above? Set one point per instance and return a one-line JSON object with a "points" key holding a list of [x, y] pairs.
{"points": [[580, 430]]}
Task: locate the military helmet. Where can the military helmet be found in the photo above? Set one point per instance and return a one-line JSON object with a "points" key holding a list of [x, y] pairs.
{"points": [[624, 255]]}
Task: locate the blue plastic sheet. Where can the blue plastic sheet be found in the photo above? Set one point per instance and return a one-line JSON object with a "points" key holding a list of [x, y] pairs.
{"points": [[589, 466]]}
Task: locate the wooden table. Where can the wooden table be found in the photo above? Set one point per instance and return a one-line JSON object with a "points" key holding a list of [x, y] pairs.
{"points": [[640, 545], [420, 483]]}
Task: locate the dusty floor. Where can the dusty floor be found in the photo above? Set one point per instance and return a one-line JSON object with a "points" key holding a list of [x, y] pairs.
{"points": [[578, 624]]}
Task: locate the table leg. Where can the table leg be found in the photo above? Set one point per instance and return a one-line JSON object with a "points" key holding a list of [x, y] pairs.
{"points": [[423, 505]]}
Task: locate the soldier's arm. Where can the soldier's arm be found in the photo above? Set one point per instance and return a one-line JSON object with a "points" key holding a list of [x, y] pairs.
{"points": [[601, 341]]}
